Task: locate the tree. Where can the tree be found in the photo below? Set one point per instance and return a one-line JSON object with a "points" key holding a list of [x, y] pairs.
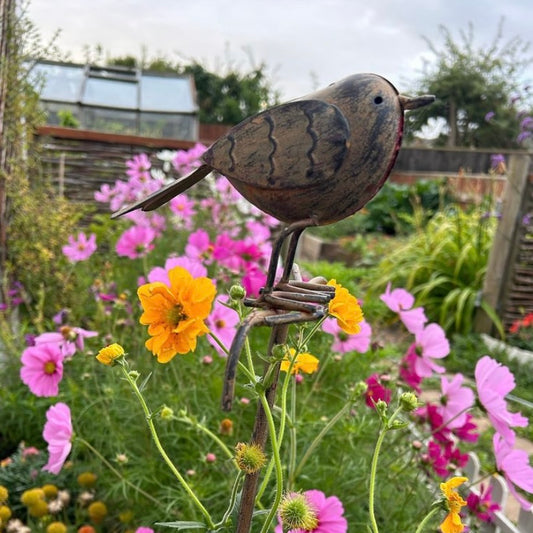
{"points": [[475, 88]]}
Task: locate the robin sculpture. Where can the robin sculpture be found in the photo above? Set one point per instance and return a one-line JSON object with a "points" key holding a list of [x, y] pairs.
{"points": [[309, 162]]}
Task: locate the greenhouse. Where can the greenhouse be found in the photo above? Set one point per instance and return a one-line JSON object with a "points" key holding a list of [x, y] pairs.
{"points": [[118, 100]]}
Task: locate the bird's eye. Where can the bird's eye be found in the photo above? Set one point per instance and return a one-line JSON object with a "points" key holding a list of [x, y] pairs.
{"points": [[378, 100]]}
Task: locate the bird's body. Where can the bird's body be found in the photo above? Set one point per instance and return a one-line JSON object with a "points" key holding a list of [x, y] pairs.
{"points": [[320, 157]]}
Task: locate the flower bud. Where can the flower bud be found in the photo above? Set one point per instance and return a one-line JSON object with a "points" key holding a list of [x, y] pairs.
{"points": [[166, 413], [249, 457], [296, 513], [237, 292], [360, 388], [110, 354], [408, 401]]}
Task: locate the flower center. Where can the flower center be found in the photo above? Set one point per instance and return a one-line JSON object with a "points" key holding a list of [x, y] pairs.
{"points": [[220, 323], [49, 367], [175, 315]]}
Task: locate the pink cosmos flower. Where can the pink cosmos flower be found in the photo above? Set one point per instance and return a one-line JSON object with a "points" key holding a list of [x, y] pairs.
{"points": [[183, 208], [193, 266], [494, 381], [329, 512], [69, 339], [135, 242], [400, 301], [81, 248], [343, 342], [435, 458], [185, 161], [199, 247], [144, 530], [467, 432], [42, 369], [455, 401], [150, 220], [481, 504], [253, 280], [514, 465], [376, 391], [138, 166], [58, 434], [430, 343], [222, 322]]}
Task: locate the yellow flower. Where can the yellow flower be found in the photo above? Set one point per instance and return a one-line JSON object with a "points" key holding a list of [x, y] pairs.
{"points": [[5, 515], [97, 512], [110, 353], [32, 496], [304, 361], [175, 314], [56, 527], [452, 523], [345, 308], [87, 479], [4, 494], [38, 509]]}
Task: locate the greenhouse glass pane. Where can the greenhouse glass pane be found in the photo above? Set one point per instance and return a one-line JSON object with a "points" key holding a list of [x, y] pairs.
{"points": [[167, 94], [60, 83], [110, 93]]}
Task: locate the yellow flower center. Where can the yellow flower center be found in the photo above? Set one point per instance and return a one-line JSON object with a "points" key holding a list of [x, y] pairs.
{"points": [[49, 367], [220, 323], [175, 315]]}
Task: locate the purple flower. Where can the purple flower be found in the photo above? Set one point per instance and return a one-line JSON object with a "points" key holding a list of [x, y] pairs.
{"points": [[343, 342], [455, 401], [135, 242], [514, 465], [222, 322], [42, 369], [481, 504], [430, 343], [522, 136], [81, 248], [526, 123], [497, 162], [489, 116], [400, 301], [69, 339], [58, 434], [329, 513], [493, 382]]}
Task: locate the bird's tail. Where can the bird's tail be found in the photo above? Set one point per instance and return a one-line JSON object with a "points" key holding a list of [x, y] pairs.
{"points": [[164, 195]]}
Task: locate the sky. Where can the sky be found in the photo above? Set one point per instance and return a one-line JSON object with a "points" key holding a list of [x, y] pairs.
{"points": [[305, 44]]}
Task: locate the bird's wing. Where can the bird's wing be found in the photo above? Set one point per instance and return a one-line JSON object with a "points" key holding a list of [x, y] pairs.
{"points": [[164, 195], [288, 146]]}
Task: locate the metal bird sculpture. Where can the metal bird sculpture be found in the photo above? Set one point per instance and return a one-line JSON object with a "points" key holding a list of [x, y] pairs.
{"points": [[309, 162]]}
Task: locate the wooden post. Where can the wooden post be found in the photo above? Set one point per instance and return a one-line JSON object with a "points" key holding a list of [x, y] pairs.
{"points": [[503, 248]]}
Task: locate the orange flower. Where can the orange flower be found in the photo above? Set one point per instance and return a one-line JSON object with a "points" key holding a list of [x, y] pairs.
{"points": [[452, 523], [175, 314], [304, 361], [345, 308]]}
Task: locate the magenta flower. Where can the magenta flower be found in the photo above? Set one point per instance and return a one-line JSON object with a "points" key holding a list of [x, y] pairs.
{"points": [[407, 370], [138, 166], [222, 322], [430, 343], [514, 466], [199, 247], [185, 161], [42, 369], [343, 342], [253, 280], [435, 458], [144, 530], [467, 432], [455, 401], [481, 504], [69, 339], [193, 266], [329, 512], [494, 381], [400, 301], [376, 391], [135, 242], [58, 434], [81, 248]]}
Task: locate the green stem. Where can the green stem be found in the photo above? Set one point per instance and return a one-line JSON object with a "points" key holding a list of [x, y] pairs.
{"points": [[277, 462], [219, 342], [293, 440], [116, 472], [159, 446], [374, 467], [232, 501], [426, 519], [319, 437]]}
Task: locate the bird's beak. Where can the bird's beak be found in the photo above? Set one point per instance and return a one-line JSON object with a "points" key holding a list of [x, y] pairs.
{"points": [[408, 102]]}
